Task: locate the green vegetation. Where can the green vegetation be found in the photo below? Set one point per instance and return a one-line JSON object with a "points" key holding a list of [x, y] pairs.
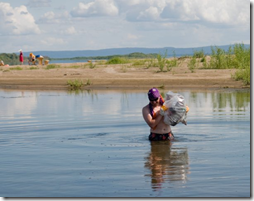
{"points": [[243, 74], [162, 87], [75, 84], [74, 66], [199, 54], [118, 60], [16, 68], [192, 64], [134, 55], [33, 68], [52, 66], [139, 62], [11, 59], [91, 65], [237, 57], [161, 61], [88, 82], [172, 63]]}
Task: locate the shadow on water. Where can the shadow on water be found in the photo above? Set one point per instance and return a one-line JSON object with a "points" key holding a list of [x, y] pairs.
{"points": [[166, 164]]}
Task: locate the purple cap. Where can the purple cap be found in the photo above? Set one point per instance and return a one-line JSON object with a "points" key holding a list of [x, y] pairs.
{"points": [[153, 94]]}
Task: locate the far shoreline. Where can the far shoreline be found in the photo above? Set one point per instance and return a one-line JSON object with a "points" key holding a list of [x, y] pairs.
{"points": [[117, 77]]}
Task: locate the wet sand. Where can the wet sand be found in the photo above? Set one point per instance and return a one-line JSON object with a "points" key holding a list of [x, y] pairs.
{"points": [[120, 76]]}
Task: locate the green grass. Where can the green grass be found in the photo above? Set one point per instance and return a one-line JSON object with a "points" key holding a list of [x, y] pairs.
{"points": [[151, 63], [16, 68], [33, 68], [52, 66], [199, 54], [139, 62], [118, 60], [74, 66], [192, 64], [236, 57], [75, 84], [166, 63], [243, 74], [162, 86], [92, 65], [161, 59], [88, 82]]}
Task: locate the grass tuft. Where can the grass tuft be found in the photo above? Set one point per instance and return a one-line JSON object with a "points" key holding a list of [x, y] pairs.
{"points": [[75, 84], [16, 68], [118, 60], [52, 66]]}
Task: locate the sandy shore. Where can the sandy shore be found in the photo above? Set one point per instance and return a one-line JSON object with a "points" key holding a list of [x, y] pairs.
{"points": [[116, 77]]}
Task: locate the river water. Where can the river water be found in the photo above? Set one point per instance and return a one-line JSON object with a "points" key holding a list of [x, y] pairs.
{"points": [[95, 144]]}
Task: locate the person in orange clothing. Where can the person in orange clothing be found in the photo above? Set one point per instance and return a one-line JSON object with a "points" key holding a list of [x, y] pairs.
{"points": [[31, 59]]}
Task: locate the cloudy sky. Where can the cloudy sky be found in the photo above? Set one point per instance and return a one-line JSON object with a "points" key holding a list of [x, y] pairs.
{"points": [[35, 25]]}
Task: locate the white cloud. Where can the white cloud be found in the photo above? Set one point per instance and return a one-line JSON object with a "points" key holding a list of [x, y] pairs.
{"points": [[38, 3], [16, 20], [228, 12], [96, 8], [132, 36], [222, 12], [69, 31], [99, 24], [232, 12], [51, 41], [52, 18], [152, 13]]}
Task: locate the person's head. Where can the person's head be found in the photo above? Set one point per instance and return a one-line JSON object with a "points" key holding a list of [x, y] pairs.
{"points": [[154, 96]]}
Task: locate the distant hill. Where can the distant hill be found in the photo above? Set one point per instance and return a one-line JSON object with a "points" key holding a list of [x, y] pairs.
{"points": [[123, 51]]}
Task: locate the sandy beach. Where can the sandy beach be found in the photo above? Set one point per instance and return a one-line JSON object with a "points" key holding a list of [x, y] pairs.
{"points": [[116, 77]]}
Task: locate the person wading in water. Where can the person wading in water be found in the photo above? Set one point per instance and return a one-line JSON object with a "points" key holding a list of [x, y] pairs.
{"points": [[151, 114]]}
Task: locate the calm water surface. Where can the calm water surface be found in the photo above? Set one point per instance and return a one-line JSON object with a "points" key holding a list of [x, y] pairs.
{"points": [[95, 144]]}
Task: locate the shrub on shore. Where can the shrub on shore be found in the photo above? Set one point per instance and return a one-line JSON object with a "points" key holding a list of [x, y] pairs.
{"points": [[118, 60], [237, 57], [75, 84]]}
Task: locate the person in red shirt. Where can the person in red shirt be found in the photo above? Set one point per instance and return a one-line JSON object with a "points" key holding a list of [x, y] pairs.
{"points": [[21, 59]]}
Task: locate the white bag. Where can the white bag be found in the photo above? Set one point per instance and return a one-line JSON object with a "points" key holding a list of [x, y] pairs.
{"points": [[174, 109]]}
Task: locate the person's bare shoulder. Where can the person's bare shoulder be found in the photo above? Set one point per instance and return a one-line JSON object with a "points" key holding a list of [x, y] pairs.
{"points": [[145, 109]]}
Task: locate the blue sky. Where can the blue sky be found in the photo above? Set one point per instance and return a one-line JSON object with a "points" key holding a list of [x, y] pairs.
{"points": [[34, 25]]}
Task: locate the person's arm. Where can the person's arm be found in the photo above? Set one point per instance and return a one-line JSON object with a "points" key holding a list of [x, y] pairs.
{"points": [[152, 123]]}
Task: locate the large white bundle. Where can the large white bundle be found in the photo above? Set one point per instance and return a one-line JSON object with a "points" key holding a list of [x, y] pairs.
{"points": [[174, 109]]}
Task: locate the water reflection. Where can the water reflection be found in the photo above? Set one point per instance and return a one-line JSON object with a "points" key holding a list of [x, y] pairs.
{"points": [[237, 101], [166, 164], [234, 100]]}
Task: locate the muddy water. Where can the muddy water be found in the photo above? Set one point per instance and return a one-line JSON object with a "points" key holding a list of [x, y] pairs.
{"points": [[95, 144]]}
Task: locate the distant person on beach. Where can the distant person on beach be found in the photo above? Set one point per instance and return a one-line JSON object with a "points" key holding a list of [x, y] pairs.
{"points": [[21, 59], [31, 58], [151, 114], [1, 63]]}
